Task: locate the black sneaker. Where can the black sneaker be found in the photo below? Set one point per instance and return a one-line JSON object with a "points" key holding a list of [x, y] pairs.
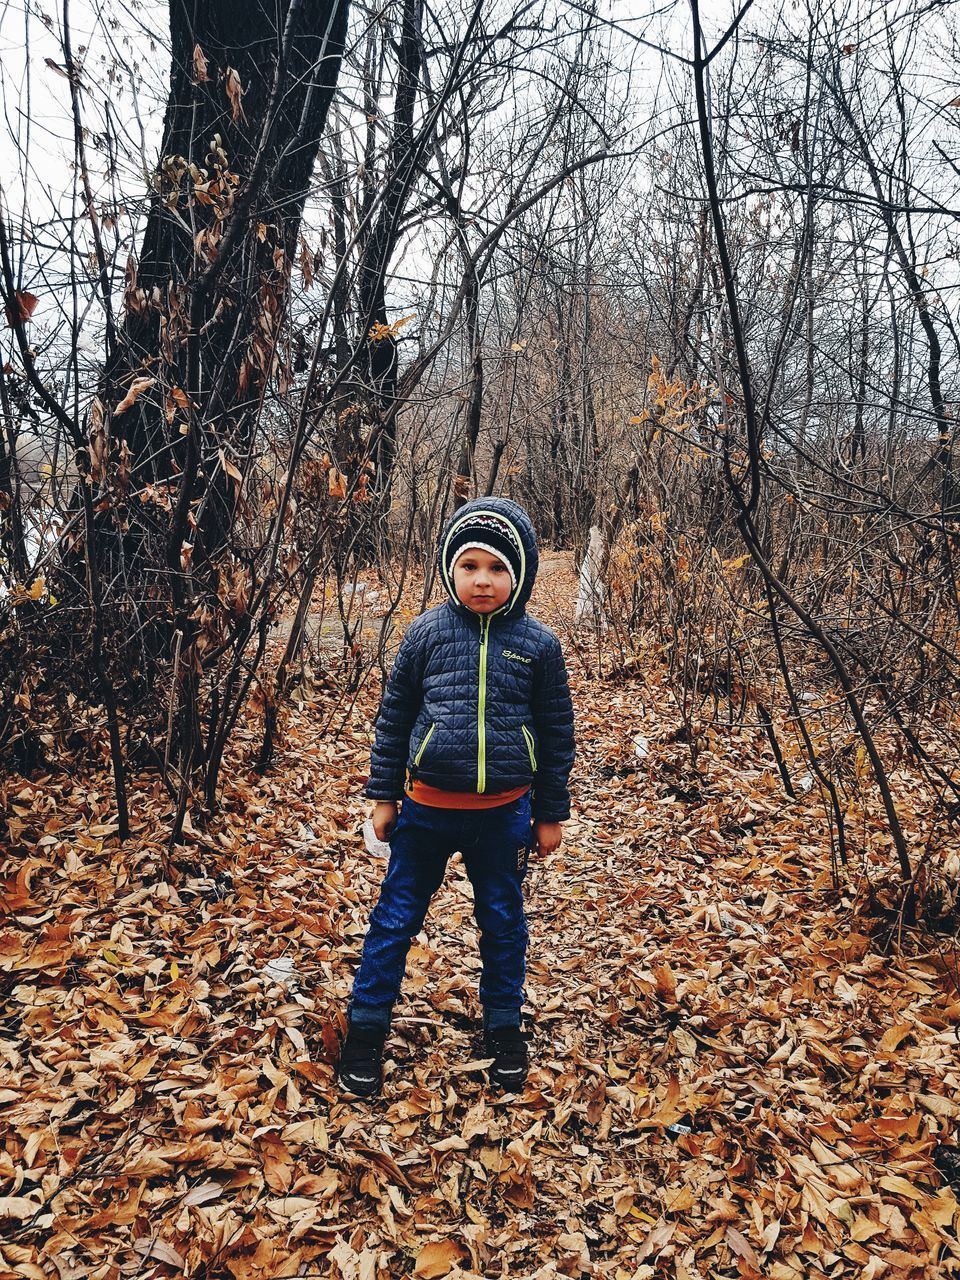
{"points": [[508, 1049], [360, 1069]]}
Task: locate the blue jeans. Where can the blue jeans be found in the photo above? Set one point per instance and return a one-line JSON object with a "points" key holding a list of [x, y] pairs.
{"points": [[495, 844]]}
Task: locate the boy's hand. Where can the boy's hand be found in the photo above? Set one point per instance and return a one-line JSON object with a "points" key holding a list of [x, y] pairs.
{"points": [[385, 818], [547, 837]]}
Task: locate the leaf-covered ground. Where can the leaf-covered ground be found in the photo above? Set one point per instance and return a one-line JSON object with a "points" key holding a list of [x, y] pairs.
{"points": [[730, 1078]]}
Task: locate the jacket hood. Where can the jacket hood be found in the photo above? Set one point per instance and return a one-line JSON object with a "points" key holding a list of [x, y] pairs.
{"points": [[514, 515]]}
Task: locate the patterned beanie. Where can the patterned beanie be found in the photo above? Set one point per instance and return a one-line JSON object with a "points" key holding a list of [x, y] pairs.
{"points": [[488, 531]]}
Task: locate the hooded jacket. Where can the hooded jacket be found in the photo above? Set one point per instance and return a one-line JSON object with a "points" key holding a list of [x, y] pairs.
{"points": [[479, 703]]}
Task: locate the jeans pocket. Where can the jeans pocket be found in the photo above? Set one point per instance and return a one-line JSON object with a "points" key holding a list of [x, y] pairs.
{"points": [[525, 809], [403, 817]]}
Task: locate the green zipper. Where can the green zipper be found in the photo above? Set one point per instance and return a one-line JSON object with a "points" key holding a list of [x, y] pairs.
{"points": [[529, 739], [481, 709], [423, 745]]}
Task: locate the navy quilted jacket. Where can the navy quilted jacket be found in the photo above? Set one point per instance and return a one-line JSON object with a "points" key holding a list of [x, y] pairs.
{"points": [[479, 703]]}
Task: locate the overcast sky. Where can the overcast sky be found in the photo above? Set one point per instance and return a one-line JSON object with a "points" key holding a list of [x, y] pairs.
{"points": [[121, 47]]}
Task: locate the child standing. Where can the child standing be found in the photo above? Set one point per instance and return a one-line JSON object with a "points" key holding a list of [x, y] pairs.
{"points": [[475, 734]]}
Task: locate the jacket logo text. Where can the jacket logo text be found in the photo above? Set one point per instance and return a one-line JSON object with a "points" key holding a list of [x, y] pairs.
{"points": [[517, 657]]}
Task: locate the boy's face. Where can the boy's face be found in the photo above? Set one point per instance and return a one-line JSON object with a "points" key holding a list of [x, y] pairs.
{"points": [[482, 581]]}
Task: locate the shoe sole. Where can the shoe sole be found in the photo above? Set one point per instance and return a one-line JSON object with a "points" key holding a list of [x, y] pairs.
{"points": [[512, 1085], [363, 1091]]}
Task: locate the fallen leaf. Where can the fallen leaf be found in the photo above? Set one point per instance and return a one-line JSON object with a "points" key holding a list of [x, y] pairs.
{"points": [[438, 1258], [205, 1193], [742, 1247], [19, 1207], [159, 1250]]}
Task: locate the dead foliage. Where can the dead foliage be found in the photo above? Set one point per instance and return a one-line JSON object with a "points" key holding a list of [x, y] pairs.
{"points": [[730, 1078]]}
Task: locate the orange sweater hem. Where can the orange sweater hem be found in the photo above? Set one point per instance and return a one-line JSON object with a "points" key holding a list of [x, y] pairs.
{"points": [[438, 798]]}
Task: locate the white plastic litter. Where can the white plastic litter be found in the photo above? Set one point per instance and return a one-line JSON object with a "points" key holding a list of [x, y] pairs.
{"points": [[805, 782], [641, 746], [733, 926], [678, 1130], [379, 848], [361, 589], [281, 969]]}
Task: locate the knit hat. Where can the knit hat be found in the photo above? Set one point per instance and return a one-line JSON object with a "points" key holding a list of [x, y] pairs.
{"points": [[488, 531]]}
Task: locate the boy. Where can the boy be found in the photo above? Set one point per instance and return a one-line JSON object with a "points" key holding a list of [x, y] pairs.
{"points": [[475, 733]]}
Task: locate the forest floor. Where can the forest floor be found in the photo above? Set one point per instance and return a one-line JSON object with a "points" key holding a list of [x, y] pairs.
{"points": [[732, 1074]]}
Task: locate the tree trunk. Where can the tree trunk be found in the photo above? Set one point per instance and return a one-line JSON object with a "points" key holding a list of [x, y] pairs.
{"points": [[379, 365], [250, 85]]}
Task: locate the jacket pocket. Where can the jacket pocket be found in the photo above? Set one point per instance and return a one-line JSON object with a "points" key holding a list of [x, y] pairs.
{"points": [[528, 738], [423, 744]]}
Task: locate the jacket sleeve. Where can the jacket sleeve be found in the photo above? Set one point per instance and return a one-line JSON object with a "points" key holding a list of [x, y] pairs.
{"points": [[395, 720], [553, 722]]}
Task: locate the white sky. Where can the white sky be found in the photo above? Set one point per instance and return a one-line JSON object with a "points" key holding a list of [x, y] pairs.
{"points": [[121, 45]]}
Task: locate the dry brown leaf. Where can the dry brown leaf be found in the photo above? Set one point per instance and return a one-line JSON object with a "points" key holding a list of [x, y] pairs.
{"points": [[26, 304], [465, 1068], [233, 472], [901, 1187], [655, 1241], [205, 1193], [136, 389], [19, 1208], [742, 1247], [894, 1037], [666, 983], [200, 75], [159, 1250], [438, 1258], [235, 95]]}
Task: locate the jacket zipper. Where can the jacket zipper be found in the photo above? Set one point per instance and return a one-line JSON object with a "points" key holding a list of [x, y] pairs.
{"points": [[423, 745], [528, 736], [481, 709]]}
